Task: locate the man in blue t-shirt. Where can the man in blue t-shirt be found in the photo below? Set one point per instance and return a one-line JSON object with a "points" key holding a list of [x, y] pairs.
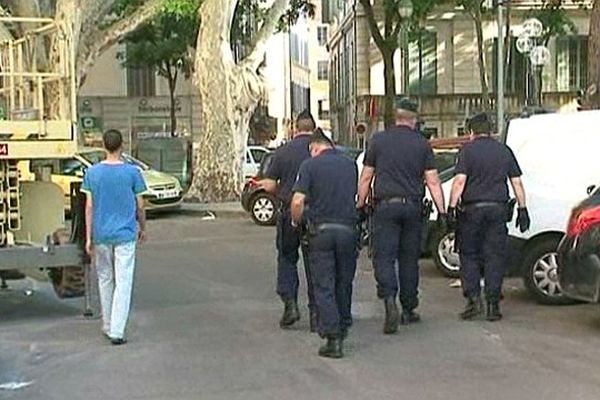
{"points": [[115, 221]]}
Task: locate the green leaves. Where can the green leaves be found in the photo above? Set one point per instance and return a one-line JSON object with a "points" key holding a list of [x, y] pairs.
{"points": [[163, 43]]}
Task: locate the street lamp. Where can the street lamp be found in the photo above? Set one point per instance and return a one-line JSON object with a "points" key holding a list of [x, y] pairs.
{"points": [[537, 56], [405, 9]]}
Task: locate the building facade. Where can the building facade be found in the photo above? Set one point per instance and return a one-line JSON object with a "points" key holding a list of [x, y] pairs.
{"points": [[443, 71]]}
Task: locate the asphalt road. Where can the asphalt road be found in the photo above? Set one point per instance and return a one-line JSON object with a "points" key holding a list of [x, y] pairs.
{"points": [[205, 326]]}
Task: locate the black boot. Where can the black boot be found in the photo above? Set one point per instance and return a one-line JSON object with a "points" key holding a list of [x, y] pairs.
{"points": [[493, 311], [291, 314], [314, 321], [332, 348], [392, 316], [409, 317], [473, 309]]}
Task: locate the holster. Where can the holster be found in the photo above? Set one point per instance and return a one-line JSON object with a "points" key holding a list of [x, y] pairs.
{"points": [[510, 209], [427, 209]]}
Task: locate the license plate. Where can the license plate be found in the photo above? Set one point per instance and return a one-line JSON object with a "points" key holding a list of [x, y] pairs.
{"points": [[167, 194]]}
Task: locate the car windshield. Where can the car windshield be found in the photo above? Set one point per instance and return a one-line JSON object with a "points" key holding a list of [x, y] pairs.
{"points": [[96, 156]]}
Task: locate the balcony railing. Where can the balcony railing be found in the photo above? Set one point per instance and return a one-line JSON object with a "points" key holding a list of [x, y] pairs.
{"points": [[457, 106]]}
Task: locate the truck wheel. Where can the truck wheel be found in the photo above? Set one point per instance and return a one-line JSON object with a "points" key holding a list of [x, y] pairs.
{"points": [[445, 254], [263, 209], [68, 282], [541, 272]]}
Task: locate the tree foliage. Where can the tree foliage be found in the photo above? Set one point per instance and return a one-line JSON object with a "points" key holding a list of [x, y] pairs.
{"points": [[163, 44]]}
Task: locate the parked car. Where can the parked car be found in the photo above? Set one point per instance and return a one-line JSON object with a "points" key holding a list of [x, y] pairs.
{"points": [[579, 252], [164, 190], [261, 205], [557, 153], [254, 157]]}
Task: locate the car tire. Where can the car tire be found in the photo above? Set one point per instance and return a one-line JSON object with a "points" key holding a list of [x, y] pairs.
{"points": [[540, 269], [263, 209], [444, 254]]}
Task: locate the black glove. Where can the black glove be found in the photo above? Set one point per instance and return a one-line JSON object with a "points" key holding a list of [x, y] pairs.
{"points": [[452, 219], [523, 220], [362, 214]]}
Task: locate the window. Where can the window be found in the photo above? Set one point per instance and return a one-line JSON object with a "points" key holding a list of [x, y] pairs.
{"points": [[258, 155], [300, 97], [515, 76], [70, 167], [322, 35], [323, 70], [423, 64], [323, 109], [299, 49], [571, 63], [141, 82]]}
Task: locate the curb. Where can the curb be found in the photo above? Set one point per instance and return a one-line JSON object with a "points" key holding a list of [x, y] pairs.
{"points": [[186, 210]]}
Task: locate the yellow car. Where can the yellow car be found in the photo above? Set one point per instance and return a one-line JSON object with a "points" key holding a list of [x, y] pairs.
{"points": [[164, 190]]}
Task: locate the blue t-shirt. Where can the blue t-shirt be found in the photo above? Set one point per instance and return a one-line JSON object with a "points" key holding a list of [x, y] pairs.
{"points": [[114, 188]]}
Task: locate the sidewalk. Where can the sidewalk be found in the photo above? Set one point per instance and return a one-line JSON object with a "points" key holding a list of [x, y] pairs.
{"points": [[230, 209]]}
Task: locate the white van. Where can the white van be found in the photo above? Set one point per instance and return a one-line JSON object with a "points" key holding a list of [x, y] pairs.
{"points": [[558, 154]]}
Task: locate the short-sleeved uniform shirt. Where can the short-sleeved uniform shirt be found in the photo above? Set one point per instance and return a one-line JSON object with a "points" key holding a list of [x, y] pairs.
{"points": [[114, 188], [329, 182], [285, 165], [400, 157], [487, 164]]}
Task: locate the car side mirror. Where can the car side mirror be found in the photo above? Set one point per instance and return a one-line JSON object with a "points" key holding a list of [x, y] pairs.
{"points": [[591, 189]]}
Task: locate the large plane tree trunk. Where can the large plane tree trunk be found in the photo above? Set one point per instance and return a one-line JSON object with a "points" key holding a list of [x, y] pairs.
{"points": [[229, 94]]}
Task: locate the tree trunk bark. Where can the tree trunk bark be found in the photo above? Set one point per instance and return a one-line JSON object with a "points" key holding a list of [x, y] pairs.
{"points": [[229, 94], [389, 113], [593, 98], [485, 91]]}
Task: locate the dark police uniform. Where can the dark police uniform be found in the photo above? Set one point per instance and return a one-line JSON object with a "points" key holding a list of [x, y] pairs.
{"points": [[329, 183], [284, 169], [487, 164], [400, 156]]}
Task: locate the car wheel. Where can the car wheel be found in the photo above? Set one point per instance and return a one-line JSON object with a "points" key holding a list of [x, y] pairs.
{"points": [[445, 255], [263, 209], [541, 272]]}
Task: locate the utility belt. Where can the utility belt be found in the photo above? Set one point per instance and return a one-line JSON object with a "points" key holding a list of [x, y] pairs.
{"points": [[398, 200], [508, 206], [427, 205]]}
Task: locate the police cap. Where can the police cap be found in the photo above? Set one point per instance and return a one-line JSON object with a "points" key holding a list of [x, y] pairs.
{"points": [[406, 104], [480, 124]]}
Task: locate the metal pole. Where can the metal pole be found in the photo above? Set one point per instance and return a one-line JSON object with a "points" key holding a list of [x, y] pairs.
{"points": [[500, 84], [405, 63]]}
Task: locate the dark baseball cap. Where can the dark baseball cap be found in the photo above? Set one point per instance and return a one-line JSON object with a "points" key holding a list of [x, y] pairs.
{"points": [[480, 123], [404, 103]]}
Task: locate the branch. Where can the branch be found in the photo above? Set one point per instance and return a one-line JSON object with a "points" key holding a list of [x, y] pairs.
{"points": [[373, 27], [112, 34], [254, 59]]}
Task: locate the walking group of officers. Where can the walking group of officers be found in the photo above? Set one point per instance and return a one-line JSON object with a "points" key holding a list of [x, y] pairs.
{"points": [[322, 205]]}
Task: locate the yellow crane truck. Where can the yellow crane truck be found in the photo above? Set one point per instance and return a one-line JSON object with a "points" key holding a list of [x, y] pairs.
{"points": [[38, 122]]}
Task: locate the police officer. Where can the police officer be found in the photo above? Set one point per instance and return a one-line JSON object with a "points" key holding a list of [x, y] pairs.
{"points": [[400, 159], [483, 168], [280, 178], [327, 184]]}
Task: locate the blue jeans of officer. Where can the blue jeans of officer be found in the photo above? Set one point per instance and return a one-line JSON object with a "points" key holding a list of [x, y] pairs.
{"points": [[397, 234], [333, 255], [288, 243], [482, 244]]}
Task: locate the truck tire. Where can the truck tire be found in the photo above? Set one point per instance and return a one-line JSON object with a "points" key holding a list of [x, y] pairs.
{"points": [[540, 270], [68, 282]]}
